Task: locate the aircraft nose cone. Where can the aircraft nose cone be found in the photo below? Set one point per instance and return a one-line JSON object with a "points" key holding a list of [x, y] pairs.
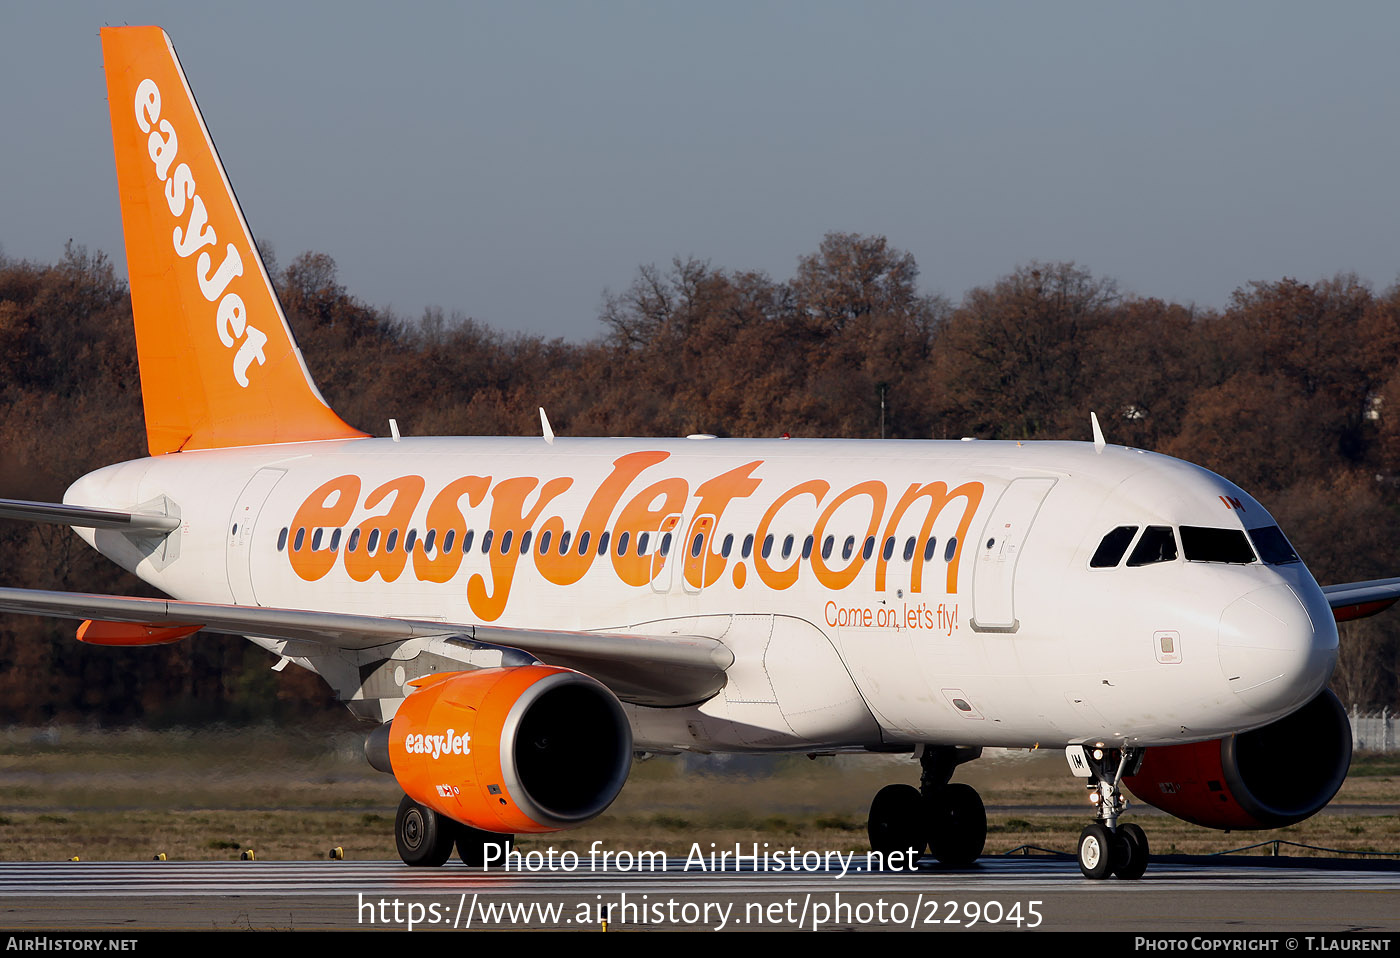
{"points": [[1273, 656]]}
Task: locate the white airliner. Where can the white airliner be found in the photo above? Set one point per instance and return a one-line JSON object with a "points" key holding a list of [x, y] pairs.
{"points": [[519, 616]]}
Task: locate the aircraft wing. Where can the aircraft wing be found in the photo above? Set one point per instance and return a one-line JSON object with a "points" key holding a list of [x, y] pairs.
{"points": [[646, 669], [1357, 600]]}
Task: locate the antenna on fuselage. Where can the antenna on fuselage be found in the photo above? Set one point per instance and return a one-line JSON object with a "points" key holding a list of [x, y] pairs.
{"points": [[545, 426], [1098, 433]]}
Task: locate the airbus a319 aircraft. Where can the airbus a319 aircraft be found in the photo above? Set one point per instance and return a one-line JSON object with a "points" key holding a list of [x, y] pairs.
{"points": [[518, 617]]}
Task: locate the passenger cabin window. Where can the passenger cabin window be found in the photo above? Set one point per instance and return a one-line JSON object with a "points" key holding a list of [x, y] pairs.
{"points": [[1272, 546], [1156, 545], [1215, 545], [1112, 547]]}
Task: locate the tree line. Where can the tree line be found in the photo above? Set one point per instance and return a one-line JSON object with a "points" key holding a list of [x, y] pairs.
{"points": [[1292, 391]]}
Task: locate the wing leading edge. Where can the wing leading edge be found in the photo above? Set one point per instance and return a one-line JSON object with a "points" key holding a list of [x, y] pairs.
{"points": [[645, 669], [1357, 600]]}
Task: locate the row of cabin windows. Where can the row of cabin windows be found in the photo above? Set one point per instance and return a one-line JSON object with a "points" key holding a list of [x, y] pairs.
{"points": [[321, 538], [1198, 543]]}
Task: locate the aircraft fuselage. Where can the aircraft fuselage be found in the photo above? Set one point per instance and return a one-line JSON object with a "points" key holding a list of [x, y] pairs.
{"points": [[873, 593]]}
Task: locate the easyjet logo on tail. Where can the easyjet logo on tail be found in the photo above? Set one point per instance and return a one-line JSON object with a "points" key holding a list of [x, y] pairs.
{"points": [[194, 234]]}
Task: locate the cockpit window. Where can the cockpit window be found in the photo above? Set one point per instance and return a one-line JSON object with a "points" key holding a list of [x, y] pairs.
{"points": [[1215, 545], [1156, 545], [1111, 549], [1273, 547]]}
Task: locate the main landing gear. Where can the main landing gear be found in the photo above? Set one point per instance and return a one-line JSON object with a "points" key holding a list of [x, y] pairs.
{"points": [[1105, 846], [948, 819], [426, 839]]}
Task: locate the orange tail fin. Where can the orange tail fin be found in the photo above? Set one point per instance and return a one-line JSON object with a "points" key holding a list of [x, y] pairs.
{"points": [[219, 366]]}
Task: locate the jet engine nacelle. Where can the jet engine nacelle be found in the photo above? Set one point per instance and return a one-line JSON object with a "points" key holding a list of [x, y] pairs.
{"points": [[511, 750], [1267, 778]]}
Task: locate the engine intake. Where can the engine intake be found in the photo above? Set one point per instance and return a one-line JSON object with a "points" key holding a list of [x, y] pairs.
{"points": [[513, 750], [1268, 778]]}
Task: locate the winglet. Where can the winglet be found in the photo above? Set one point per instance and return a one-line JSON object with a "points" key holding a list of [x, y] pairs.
{"points": [[1098, 433], [219, 366], [546, 427]]}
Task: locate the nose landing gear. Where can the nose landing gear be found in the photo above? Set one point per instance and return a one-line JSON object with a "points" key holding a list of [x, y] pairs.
{"points": [[1106, 847]]}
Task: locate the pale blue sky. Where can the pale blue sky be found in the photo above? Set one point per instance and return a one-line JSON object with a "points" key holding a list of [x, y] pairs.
{"points": [[512, 160]]}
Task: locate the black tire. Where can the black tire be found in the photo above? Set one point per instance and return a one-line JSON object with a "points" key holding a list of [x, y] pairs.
{"points": [[472, 842], [424, 838], [957, 825], [1134, 852], [896, 820], [1096, 851]]}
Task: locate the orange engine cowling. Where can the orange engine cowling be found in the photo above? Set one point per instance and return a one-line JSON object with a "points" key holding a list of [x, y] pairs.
{"points": [[522, 749], [1270, 777]]}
